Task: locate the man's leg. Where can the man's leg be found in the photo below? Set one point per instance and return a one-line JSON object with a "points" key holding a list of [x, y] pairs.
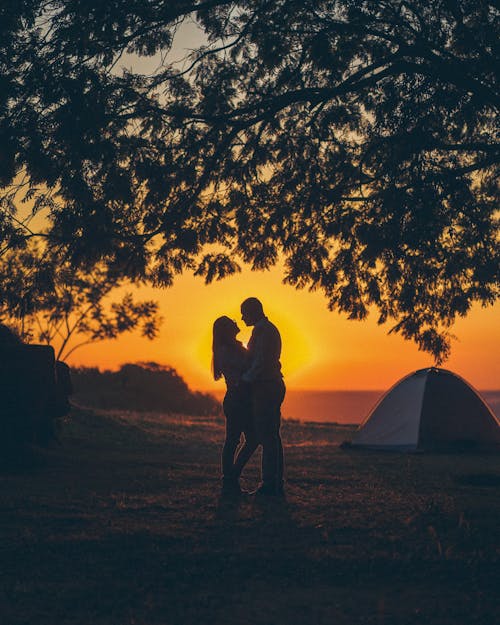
{"points": [[281, 462], [270, 454], [268, 397], [280, 395]]}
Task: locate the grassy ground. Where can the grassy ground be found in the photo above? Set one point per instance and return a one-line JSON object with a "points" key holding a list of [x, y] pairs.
{"points": [[123, 525]]}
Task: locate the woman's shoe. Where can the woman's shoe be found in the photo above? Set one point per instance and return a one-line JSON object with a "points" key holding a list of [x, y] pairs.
{"points": [[231, 487]]}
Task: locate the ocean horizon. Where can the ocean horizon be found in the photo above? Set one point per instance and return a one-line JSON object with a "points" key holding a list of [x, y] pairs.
{"points": [[344, 407]]}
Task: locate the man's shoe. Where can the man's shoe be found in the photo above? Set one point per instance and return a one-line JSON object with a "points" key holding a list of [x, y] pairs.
{"points": [[269, 490]]}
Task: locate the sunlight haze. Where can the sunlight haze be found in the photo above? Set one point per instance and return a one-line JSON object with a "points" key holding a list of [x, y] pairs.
{"points": [[321, 349]]}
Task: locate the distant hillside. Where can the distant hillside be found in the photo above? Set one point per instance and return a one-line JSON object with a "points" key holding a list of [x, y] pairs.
{"points": [[144, 386]]}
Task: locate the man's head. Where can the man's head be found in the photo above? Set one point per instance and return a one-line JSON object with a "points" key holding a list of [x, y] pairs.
{"points": [[251, 311]]}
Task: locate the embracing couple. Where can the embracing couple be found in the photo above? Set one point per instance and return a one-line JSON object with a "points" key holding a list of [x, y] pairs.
{"points": [[255, 392]]}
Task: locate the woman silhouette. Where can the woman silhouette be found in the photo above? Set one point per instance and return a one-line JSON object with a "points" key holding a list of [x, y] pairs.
{"points": [[230, 360]]}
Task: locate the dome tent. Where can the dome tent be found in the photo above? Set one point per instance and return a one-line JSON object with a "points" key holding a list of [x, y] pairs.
{"points": [[429, 409]]}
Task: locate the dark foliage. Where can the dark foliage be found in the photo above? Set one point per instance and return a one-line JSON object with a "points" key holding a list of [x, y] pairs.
{"points": [[49, 301], [356, 138], [141, 387]]}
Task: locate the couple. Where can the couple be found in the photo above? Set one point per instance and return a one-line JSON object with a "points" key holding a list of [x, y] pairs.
{"points": [[255, 392]]}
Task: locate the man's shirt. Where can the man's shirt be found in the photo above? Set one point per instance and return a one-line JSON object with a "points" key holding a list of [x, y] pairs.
{"points": [[264, 348]]}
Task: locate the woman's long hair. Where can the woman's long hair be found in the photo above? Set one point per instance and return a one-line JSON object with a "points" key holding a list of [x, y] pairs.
{"points": [[223, 334]]}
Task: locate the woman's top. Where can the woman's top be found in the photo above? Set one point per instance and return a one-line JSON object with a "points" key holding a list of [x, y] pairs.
{"points": [[233, 361]]}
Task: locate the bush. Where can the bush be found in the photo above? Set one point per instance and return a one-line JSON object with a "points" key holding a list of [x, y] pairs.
{"points": [[144, 386]]}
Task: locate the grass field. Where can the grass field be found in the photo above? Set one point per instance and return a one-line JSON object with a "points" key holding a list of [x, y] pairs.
{"points": [[122, 524]]}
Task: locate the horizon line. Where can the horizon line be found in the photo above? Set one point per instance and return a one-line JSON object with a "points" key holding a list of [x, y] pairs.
{"points": [[338, 390]]}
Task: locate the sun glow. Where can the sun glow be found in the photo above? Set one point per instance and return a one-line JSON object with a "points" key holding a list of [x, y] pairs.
{"points": [[294, 361], [321, 349], [299, 349]]}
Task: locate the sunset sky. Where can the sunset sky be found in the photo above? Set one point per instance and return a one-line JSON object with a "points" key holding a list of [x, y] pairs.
{"points": [[321, 349]]}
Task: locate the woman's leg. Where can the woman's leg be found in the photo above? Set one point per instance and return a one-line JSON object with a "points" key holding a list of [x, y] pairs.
{"points": [[251, 441], [245, 452], [231, 407], [231, 442]]}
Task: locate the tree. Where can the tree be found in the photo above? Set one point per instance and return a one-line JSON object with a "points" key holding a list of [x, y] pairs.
{"points": [[358, 139], [143, 386], [48, 301]]}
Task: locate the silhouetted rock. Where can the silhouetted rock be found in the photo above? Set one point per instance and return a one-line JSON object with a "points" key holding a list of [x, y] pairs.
{"points": [[32, 395]]}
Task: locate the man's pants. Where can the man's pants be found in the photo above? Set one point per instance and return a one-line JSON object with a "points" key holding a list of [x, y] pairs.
{"points": [[267, 397]]}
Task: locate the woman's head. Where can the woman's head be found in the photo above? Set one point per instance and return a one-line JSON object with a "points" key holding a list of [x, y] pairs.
{"points": [[225, 330], [224, 333]]}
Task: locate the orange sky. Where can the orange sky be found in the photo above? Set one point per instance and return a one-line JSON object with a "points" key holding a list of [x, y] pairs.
{"points": [[321, 350]]}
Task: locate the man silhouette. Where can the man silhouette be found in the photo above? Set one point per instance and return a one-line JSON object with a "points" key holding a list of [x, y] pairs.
{"points": [[268, 392]]}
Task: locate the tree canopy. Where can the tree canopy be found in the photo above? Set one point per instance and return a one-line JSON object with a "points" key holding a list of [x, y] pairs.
{"points": [[54, 303], [357, 139]]}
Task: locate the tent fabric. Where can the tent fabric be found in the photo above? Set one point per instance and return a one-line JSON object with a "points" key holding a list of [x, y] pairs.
{"points": [[429, 409]]}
